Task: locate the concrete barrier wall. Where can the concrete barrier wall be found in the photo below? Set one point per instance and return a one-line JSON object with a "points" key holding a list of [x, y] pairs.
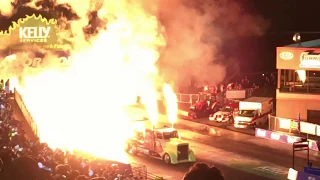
{"points": [[284, 138]]}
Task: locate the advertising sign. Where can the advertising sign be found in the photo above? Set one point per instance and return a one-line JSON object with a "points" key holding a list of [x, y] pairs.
{"points": [[37, 60], [298, 58], [32, 30]]}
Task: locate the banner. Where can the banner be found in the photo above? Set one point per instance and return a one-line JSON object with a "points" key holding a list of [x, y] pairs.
{"points": [[37, 59], [298, 175], [298, 58]]}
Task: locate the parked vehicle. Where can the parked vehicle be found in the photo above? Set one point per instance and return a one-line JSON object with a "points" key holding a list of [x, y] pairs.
{"points": [[206, 104], [253, 112], [226, 113]]}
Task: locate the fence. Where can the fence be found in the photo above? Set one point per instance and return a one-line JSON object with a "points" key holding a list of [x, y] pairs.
{"points": [[187, 98], [139, 170], [26, 113], [221, 97], [292, 126]]}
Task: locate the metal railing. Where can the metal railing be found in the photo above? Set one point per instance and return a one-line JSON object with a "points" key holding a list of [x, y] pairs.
{"points": [[140, 171], [187, 98], [25, 112], [292, 126], [192, 98]]}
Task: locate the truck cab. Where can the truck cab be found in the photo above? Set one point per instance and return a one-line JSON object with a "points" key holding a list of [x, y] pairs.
{"points": [[253, 112], [161, 143]]}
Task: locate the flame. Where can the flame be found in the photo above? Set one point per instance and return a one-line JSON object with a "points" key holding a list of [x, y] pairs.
{"points": [[6, 8], [81, 107], [11, 57], [302, 75], [171, 103], [205, 88]]}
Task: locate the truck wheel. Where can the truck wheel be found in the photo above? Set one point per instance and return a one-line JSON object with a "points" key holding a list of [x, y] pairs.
{"points": [[134, 149], [166, 158], [231, 121], [254, 125]]}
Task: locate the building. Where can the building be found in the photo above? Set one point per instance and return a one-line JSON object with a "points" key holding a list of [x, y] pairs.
{"points": [[298, 89]]}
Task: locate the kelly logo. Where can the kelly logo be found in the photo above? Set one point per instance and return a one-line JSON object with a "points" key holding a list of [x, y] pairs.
{"points": [[32, 30], [34, 34]]}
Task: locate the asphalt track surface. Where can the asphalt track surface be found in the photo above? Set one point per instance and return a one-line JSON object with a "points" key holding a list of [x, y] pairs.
{"points": [[204, 153], [239, 156]]}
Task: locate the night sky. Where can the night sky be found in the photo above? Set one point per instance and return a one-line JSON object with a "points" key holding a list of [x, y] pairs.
{"points": [[286, 17], [257, 54]]}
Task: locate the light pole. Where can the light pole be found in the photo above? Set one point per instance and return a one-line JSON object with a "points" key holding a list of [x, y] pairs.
{"points": [[297, 38]]}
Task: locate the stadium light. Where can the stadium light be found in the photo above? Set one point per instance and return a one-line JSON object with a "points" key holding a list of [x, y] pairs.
{"points": [[296, 38]]}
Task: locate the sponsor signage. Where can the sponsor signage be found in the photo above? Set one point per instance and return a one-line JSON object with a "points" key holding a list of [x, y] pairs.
{"points": [[308, 60], [299, 175], [286, 55], [38, 61], [306, 176], [298, 58], [32, 30]]}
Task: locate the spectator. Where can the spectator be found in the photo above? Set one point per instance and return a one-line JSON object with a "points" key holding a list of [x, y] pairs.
{"points": [[201, 171]]}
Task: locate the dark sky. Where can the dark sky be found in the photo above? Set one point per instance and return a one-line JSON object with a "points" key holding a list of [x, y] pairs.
{"points": [[286, 17], [257, 54]]}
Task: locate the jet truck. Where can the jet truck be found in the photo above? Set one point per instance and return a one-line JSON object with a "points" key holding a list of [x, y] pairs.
{"points": [[253, 112], [162, 143]]}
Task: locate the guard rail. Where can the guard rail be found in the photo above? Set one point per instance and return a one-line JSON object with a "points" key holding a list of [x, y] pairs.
{"points": [[26, 113], [140, 170]]}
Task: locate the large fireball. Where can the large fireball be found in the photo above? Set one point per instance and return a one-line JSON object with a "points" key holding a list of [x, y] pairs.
{"points": [[82, 106]]}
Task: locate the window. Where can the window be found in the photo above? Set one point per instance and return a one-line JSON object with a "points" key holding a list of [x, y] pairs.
{"points": [[313, 116], [169, 135], [313, 81], [300, 81], [247, 113], [159, 135]]}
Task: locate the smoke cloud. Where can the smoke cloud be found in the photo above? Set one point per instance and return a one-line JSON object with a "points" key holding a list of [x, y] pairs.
{"points": [[196, 33]]}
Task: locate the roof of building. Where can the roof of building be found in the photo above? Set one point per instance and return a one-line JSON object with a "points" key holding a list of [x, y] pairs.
{"points": [[308, 44]]}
